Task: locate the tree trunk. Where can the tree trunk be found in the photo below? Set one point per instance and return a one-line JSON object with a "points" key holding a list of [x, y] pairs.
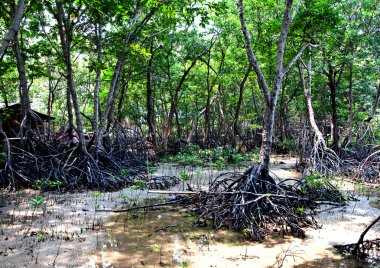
{"points": [[173, 105], [193, 130], [206, 131], [270, 97], [123, 95], [350, 82], [113, 92], [308, 103], [334, 115], [13, 30], [334, 76], [24, 89], [150, 102], [65, 28], [98, 32], [240, 101]]}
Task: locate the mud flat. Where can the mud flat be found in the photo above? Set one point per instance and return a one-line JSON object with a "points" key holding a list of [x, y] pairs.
{"points": [[66, 231]]}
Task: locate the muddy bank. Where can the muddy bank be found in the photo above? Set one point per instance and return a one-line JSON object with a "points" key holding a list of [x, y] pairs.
{"points": [[61, 231], [65, 231]]}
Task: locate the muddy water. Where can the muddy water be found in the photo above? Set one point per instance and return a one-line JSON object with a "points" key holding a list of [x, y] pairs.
{"points": [[155, 238], [167, 238]]}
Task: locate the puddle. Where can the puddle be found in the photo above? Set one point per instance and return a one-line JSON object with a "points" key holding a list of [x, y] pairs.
{"points": [[167, 238], [155, 238]]}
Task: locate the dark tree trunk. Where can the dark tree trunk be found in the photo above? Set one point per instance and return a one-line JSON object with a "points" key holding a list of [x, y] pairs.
{"points": [[334, 77], [350, 105], [150, 101], [173, 105], [98, 32], [206, 131], [114, 86], [24, 89], [66, 28]]}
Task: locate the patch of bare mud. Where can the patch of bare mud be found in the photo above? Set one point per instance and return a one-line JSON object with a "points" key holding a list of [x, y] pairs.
{"points": [[60, 232]]}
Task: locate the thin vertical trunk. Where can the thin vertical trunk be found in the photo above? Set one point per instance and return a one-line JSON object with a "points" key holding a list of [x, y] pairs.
{"points": [[240, 101], [308, 103], [24, 89], [114, 86], [350, 82], [193, 130], [179, 131], [150, 101], [50, 98], [123, 95], [98, 32], [376, 101], [209, 92], [69, 107]]}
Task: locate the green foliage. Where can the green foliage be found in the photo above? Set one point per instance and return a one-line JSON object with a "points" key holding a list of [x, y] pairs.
{"points": [[96, 194], [218, 158], [300, 210], [3, 157], [184, 176], [315, 181], [183, 264], [138, 184], [47, 184], [38, 201], [156, 247]]}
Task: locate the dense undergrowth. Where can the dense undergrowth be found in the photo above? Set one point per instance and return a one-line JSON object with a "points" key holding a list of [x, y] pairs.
{"points": [[219, 157]]}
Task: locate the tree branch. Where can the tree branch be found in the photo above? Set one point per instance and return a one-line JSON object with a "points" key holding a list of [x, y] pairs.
{"points": [[299, 54], [251, 54]]}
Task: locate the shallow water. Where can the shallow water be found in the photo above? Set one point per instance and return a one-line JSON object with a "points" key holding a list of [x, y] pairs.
{"points": [[167, 238]]}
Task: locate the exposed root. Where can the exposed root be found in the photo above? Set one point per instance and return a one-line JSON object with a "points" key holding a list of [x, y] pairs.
{"points": [[363, 248], [53, 165], [163, 182], [253, 203], [316, 156], [369, 168]]}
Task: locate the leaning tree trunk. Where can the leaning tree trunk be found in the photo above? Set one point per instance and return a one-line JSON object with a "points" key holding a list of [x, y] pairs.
{"points": [[240, 101], [169, 121], [114, 86], [13, 30]]}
